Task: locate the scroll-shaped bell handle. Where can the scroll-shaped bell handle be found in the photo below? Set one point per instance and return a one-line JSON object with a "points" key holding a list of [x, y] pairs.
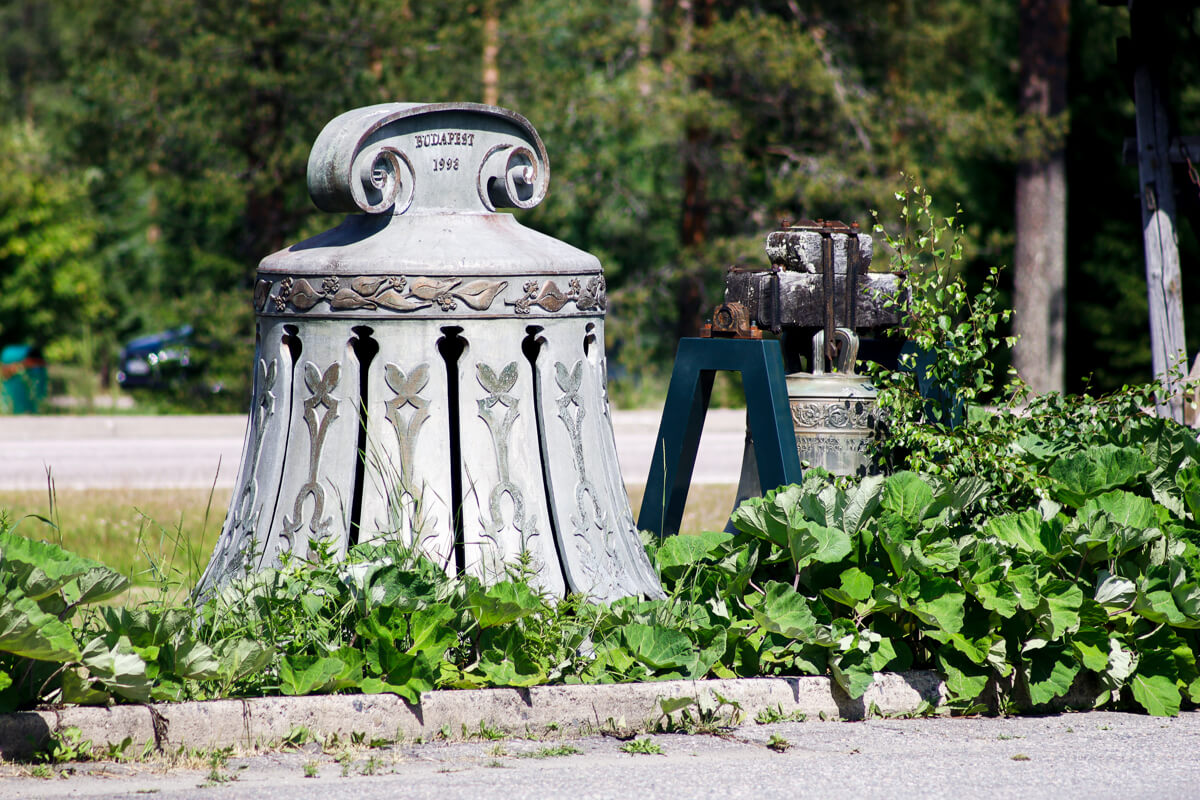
{"points": [[847, 351]]}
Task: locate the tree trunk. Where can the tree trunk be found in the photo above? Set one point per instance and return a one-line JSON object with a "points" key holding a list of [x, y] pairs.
{"points": [[491, 53], [693, 226], [644, 33], [1039, 280]]}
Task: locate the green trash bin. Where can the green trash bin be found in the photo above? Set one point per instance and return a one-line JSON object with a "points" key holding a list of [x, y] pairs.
{"points": [[23, 376]]}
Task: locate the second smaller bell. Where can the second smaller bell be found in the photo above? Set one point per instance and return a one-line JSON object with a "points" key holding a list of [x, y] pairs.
{"points": [[834, 414]]}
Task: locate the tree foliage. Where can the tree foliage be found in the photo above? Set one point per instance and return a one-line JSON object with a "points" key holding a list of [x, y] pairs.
{"points": [[679, 133]]}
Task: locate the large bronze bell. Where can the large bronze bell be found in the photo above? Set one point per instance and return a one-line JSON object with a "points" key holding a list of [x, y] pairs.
{"points": [[834, 414], [431, 371]]}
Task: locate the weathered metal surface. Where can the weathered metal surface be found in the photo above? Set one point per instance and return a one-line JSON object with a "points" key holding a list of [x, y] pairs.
{"points": [[732, 319], [834, 414], [431, 371]]}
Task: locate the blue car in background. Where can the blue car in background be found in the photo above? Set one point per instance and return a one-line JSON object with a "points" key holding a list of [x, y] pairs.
{"points": [[157, 360]]}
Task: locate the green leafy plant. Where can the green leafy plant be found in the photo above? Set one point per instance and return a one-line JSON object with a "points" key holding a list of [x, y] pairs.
{"points": [[66, 746], [773, 714], [644, 746], [553, 751], [705, 713], [43, 771]]}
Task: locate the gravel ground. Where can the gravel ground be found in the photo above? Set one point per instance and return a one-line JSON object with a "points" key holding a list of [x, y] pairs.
{"points": [[1092, 755]]}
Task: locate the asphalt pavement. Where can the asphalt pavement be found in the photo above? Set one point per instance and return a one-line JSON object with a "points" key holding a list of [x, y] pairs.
{"points": [[129, 451], [1092, 755]]}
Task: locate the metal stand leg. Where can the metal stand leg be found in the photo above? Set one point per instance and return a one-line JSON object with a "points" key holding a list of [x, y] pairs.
{"points": [[768, 415]]}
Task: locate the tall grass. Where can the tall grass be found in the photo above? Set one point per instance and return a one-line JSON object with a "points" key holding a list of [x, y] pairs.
{"points": [[158, 536], [147, 534]]}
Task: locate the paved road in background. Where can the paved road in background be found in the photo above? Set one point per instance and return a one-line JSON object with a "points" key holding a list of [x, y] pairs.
{"points": [[104, 452], [1094, 755]]}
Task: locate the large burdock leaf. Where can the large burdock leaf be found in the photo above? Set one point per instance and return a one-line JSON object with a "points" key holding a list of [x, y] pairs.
{"points": [[857, 584], [853, 672], [764, 518], [1126, 508], [79, 689], [786, 612], [941, 604], [965, 680], [1154, 684], [1087, 473], [996, 596], [113, 660], [394, 586], [300, 675], [238, 658], [1113, 591], [501, 670], [809, 542], [1023, 531], [41, 568], [684, 550], [1188, 482], [1159, 606], [658, 647], [97, 584], [503, 603], [906, 494], [193, 659], [430, 631], [1058, 612], [861, 503], [1049, 673], [404, 674], [26, 630], [1091, 645]]}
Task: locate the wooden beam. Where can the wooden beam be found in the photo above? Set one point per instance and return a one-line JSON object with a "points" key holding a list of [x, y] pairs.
{"points": [[1157, 196], [1179, 151], [796, 299]]}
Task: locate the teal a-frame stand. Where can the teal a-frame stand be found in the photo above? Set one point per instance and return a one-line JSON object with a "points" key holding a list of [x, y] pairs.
{"points": [[768, 415]]}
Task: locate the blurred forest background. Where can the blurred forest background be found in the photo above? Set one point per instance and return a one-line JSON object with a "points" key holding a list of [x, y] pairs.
{"points": [[152, 151]]}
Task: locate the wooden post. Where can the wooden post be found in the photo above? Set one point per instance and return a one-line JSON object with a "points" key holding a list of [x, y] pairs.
{"points": [[1168, 351]]}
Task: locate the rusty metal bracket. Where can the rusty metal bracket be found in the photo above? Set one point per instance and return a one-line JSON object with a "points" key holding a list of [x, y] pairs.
{"points": [[828, 294], [731, 320], [853, 267]]}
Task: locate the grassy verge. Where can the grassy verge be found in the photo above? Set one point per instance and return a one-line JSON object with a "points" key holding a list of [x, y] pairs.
{"points": [[176, 529], [135, 531]]}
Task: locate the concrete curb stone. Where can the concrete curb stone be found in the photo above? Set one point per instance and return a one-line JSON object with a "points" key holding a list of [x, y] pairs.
{"points": [[250, 722]]}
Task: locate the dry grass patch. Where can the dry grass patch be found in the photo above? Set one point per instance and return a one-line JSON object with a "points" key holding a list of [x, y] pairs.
{"points": [[176, 529], [708, 505], [127, 529]]}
